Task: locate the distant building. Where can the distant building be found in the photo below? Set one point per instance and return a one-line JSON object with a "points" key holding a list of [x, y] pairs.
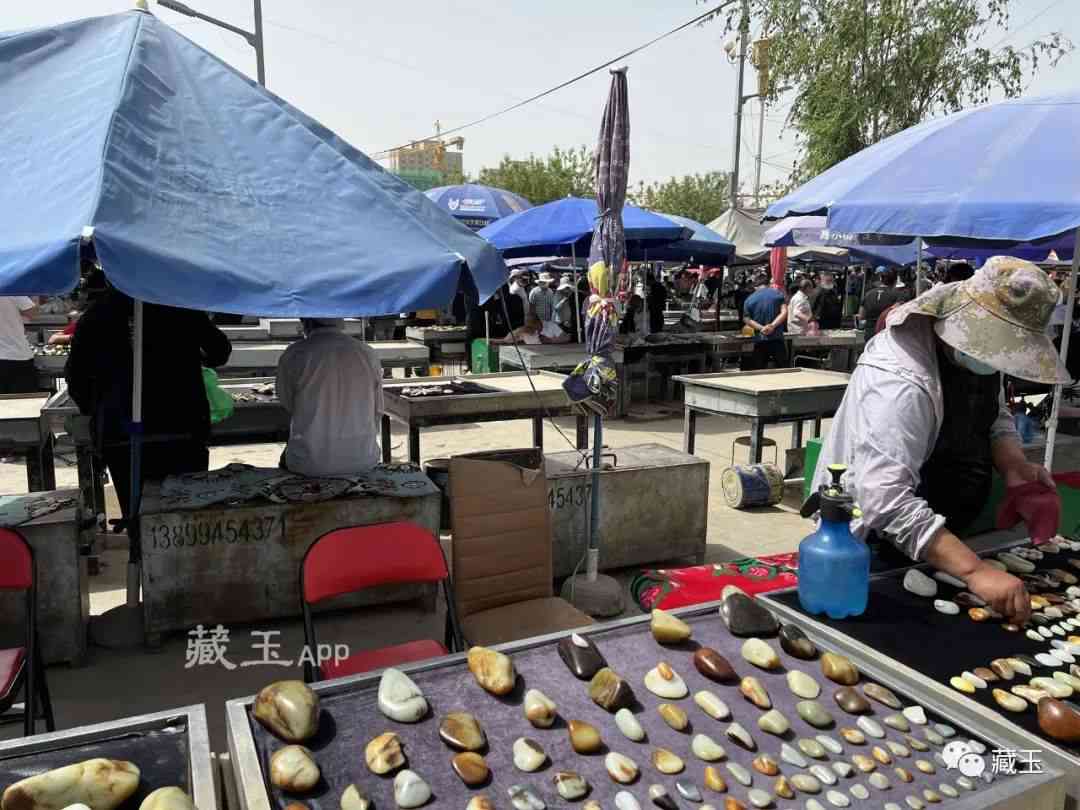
{"points": [[428, 163]]}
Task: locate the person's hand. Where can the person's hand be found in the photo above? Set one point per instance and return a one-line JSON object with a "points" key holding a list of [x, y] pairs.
{"points": [[1002, 591], [768, 329], [1026, 472]]}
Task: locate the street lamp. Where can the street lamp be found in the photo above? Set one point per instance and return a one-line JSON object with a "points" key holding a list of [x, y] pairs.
{"points": [[255, 40]]}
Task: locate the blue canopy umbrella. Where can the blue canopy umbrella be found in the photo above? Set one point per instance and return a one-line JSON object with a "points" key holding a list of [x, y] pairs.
{"points": [[475, 205], [999, 174], [564, 227], [705, 245], [201, 189]]}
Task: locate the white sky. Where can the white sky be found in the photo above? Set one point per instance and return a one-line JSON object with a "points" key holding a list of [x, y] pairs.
{"points": [[381, 74]]}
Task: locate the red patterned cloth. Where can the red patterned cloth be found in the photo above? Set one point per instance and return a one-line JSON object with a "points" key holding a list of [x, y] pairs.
{"points": [[669, 588]]}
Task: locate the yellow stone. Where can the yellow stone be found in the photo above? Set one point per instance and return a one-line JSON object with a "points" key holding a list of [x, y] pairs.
{"points": [[958, 683]]}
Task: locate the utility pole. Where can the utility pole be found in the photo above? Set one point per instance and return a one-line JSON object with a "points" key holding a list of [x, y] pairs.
{"points": [[760, 146], [744, 35], [254, 39]]}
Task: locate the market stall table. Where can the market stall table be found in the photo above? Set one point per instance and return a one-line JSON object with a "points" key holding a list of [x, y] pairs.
{"points": [[349, 718], [170, 748], [23, 433], [502, 397], [840, 347], [226, 546], [764, 398], [448, 344], [562, 358], [261, 359], [925, 648]]}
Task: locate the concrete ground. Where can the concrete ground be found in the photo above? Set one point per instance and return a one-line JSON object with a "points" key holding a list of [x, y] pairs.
{"points": [[120, 683]]}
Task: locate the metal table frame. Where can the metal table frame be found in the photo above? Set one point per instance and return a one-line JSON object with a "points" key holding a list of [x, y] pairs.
{"points": [[535, 412], [201, 777], [759, 408], [31, 438], [251, 788]]}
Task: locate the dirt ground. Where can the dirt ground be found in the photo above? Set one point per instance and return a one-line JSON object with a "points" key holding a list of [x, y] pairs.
{"points": [[120, 683]]}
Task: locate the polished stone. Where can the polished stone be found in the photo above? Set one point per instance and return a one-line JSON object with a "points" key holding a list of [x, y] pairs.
{"points": [[1019, 665], [925, 766], [1060, 720], [884, 696], [585, 737], [289, 709], [914, 802], [1031, 694], [931, 796], [946, 607], [581, 656], [792, 756], [688, 790], [667, 761], [471, 768], [352, 798], [522, 797], [1009, 702], [851, 701], [760, 654], [859, 792], [292, 769], [814, 713], [668, 629], [462, 731], [961, 685], [410, 790], [399, 698], [896, 749], [933, 737], [493, 670], [773, 722], [839, 669], [916, 714], [706, 748], [965, 783], [675, 717], [853, 736], [384, 754], [783, 788], [714, 666], [628, 724], [624, 800], [764, 764], [759, 798], [812, 748], [878, 781], [739, 735], [978, 614], [754, 690], [714, 781], [740, 774], [973, 679], [802, 685], [949, 579], [529, 756], [897, 721], [870, 727], [665, 682], [845, 770], [864, 763], [795, 643], [805, 783], [570, 784], [712, 705], [904, 775], [830, 744], [1069, 680], [744, 616], [658, 795], [920, 584], [946, 789], [620, 768], [1053, 687], [881, 755], [609, 691], [824, 774], [1002, 668], [837, 799], [540, 710]]}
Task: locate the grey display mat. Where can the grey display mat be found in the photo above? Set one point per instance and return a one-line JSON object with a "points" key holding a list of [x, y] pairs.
{"points": [[350, 719]]}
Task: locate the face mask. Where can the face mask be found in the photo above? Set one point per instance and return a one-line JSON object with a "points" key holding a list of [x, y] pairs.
{"points": [[971, 364]]}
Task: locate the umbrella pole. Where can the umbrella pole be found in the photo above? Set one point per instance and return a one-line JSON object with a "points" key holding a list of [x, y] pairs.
{"points": [[920, 277], [1051, 428], [577, 302], [134, 552], [593, 561]]}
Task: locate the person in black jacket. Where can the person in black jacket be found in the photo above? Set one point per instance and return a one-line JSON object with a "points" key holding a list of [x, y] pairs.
{"points": [[826, 303], [177, 343]]}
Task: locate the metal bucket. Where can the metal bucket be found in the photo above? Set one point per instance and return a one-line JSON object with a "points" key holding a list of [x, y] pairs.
{"points": [[747, 486]]}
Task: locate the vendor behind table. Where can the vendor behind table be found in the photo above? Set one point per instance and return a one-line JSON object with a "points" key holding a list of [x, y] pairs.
{"points": [[766, 312]]}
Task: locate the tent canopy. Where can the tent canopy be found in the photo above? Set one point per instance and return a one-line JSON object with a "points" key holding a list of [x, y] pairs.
{"points": [[744, 228], [1004, 171], [705, 246], [203, 189]]}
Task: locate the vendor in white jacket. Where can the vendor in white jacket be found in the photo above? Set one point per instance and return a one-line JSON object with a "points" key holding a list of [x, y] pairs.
{"points": [[923, 422]]}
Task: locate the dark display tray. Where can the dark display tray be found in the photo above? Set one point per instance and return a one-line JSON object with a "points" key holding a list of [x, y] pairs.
{"points": [[350, 718], [161, 755], [907, 628], [457, 388]]}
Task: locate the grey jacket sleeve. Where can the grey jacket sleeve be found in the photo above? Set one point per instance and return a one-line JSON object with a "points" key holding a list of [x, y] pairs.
{"points": [[1004, 427], [893, 437]]}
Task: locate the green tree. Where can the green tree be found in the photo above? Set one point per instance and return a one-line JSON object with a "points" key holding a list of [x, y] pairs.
{"points": [[699, 196], [862, 70], [540, 180]]}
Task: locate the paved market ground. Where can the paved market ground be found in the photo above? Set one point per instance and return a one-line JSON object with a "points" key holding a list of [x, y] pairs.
{"points": [[121, 683]]}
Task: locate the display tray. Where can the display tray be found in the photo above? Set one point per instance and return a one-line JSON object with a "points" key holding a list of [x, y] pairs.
{"points": [[350, 719], [170, 749], [452, 388], [907, 628]]}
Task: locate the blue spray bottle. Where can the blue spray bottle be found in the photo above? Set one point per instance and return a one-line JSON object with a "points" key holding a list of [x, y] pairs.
{"points": [[834, 565]]}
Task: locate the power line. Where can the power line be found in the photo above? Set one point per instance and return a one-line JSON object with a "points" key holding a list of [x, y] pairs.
{"points": [[1024, 25], [568, 82]]}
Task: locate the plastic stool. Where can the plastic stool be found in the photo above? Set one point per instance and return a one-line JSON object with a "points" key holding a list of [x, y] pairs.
{"points": [[744, 441]]}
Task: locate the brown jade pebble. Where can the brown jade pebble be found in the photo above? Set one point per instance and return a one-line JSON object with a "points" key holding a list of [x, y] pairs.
{"points": [[851, 701], [978, 614], [1060, 720], [766, 765], [839, 669], [714, 666], [471, 767], [731, 803], [795, 642], [584, 737], [987, 675]]}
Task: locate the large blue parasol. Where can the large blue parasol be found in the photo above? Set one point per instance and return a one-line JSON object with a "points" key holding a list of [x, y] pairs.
{"points": [[477, 206]]}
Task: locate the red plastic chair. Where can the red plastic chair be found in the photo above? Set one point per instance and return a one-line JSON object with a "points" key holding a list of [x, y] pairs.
{"points": [[348, 560], [22, 666]]}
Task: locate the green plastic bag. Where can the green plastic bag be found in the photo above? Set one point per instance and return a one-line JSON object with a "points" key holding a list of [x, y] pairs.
{"points": [[221, 402]]}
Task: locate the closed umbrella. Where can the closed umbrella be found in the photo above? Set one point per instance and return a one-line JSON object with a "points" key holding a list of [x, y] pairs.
{"points": [[990, 176]]}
